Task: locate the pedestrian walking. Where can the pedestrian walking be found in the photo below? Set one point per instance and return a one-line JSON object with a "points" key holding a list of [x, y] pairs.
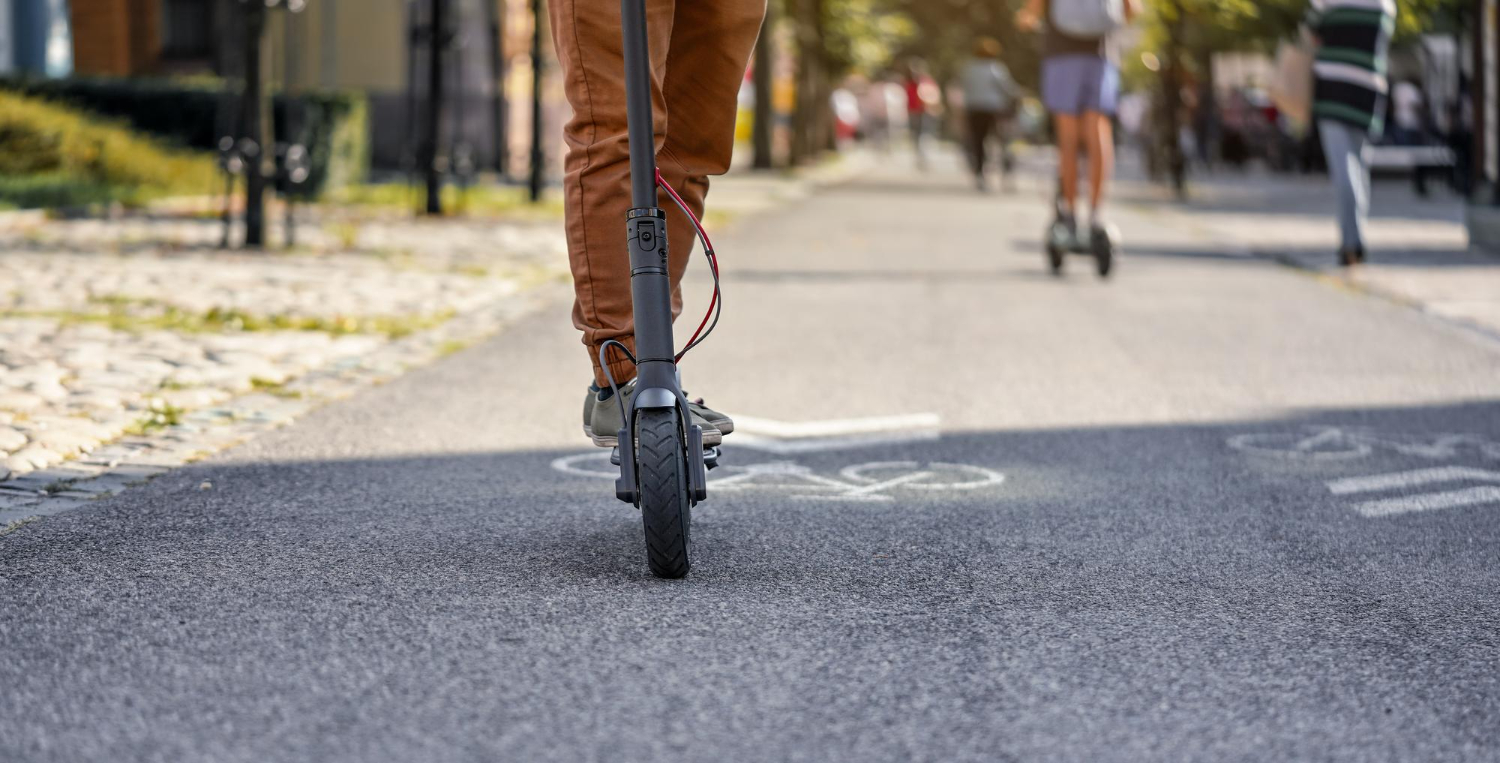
{"points": [[1350, 89], [990, 99], [1407, 122], [923, 104]]}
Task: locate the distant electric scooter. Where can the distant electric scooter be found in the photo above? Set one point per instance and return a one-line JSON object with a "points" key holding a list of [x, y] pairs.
{"points": [[1101, 243], [663, 464]]}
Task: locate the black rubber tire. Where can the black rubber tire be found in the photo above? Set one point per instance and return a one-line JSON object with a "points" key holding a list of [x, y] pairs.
{"points": [[1055, 257], [666, 507], [1104, 255]]}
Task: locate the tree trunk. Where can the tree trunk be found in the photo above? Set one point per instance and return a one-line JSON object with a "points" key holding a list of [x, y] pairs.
{"points": [[500, 138], [1207, 120], [437, 42], [808, 122], [765, 111], [1172, 97], [538, 155], [257, 137]]}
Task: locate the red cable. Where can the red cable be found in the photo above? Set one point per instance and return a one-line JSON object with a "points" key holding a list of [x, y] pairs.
{"points": [[708, 249]]}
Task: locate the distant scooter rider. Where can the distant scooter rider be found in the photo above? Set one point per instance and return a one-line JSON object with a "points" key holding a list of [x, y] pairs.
{"points": [[1080, 86]]}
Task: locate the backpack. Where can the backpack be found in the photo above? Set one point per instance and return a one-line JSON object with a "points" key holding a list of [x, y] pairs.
{"points": [[1087, 19]]}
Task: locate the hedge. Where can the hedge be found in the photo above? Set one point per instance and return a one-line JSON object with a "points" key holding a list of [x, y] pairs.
{"points": [[55, 190], [53, 155], [334, 123]]}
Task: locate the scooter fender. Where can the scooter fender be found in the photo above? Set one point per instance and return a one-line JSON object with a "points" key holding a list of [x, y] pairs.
{"points": [[655, 397]]}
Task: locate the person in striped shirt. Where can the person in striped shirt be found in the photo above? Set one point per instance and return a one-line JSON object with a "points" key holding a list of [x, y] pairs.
{"points": [[1349, 102]]}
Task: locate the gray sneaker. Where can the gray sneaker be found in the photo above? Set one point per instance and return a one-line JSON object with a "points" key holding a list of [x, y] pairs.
{"points": [[601, 418]]}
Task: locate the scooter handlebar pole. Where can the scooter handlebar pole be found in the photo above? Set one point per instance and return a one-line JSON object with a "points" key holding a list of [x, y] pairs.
{"points": [[638, 104], [650, 285]]}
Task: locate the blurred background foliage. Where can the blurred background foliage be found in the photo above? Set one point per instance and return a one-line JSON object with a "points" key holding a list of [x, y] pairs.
{"points": [[52, 155], [186, 112], [818, 47]]}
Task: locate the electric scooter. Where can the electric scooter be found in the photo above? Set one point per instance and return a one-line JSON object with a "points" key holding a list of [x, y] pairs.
{"points": [[663, 464], [1100, 243]]}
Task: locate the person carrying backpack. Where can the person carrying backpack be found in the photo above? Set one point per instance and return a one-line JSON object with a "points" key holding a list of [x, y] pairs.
{"points": [[1080, 87]]}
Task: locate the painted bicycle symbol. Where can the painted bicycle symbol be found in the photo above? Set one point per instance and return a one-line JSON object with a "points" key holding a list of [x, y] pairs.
{"points": [[1332, 443], [877, 481]]}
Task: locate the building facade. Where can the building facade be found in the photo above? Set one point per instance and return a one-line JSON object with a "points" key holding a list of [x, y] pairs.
{"points": [[377, 47], [35, 38]]}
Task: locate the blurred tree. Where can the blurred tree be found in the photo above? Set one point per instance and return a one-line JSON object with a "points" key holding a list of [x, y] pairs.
{"points": [[1211, 26], [764, 65], [833, 39], [1184, 35], [811, 118], [946, 30]]}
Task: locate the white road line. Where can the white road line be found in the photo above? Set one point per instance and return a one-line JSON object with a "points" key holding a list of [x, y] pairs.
{"points": [[1412, 478], [1430, 501], [987, 477], [792, 447], [571, 465], [835, 427], [890, 483]]}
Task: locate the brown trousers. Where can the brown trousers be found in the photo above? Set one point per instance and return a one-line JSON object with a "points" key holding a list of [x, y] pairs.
{"points": [[699, 50]]}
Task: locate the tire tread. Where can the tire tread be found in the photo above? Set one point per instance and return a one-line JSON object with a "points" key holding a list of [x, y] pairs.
{"points": [[665, 508]]}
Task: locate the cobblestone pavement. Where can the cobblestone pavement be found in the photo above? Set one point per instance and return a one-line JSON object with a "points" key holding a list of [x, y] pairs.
{"points": [[129, 346], [132, 345]]}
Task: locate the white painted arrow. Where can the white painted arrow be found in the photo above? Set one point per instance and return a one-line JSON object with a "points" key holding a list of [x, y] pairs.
{"points": [[785, 438], [1449, 499]]}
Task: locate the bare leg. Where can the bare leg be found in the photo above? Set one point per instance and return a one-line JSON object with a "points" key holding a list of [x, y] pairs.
{"points": [[1098, 134], [1066, 126]]}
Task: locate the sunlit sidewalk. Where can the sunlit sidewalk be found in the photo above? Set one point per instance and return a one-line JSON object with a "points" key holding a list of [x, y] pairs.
{"points": [[1419, 249]]}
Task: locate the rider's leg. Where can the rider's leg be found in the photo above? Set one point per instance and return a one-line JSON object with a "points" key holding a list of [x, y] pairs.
{"points": [[1061, 94], [586, 34], [1101, 93], [596, 181], [1098, 135], [710, 47], [1067, 128]]}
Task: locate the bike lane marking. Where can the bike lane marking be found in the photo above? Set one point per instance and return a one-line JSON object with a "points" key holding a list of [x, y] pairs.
{"points": [[802, 479], [1338, 443], [869, 492], [987, 477], [1451, 499], [1414, 478], [1265, 444], [1444, 499]]}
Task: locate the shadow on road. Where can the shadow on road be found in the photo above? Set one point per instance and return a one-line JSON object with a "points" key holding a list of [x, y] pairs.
{"points": [[1191, 588]]}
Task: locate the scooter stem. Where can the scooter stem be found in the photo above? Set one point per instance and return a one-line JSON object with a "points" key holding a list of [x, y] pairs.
{"points": [[638, 104], [650, 285]]}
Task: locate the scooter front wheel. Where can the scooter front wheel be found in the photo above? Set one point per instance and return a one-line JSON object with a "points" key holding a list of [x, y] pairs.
{"points": [[1055, 257], [666, 506], [1103, 245]]}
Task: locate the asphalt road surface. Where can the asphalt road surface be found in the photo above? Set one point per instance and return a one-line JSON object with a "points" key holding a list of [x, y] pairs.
{"points": [[1214, 509]]}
